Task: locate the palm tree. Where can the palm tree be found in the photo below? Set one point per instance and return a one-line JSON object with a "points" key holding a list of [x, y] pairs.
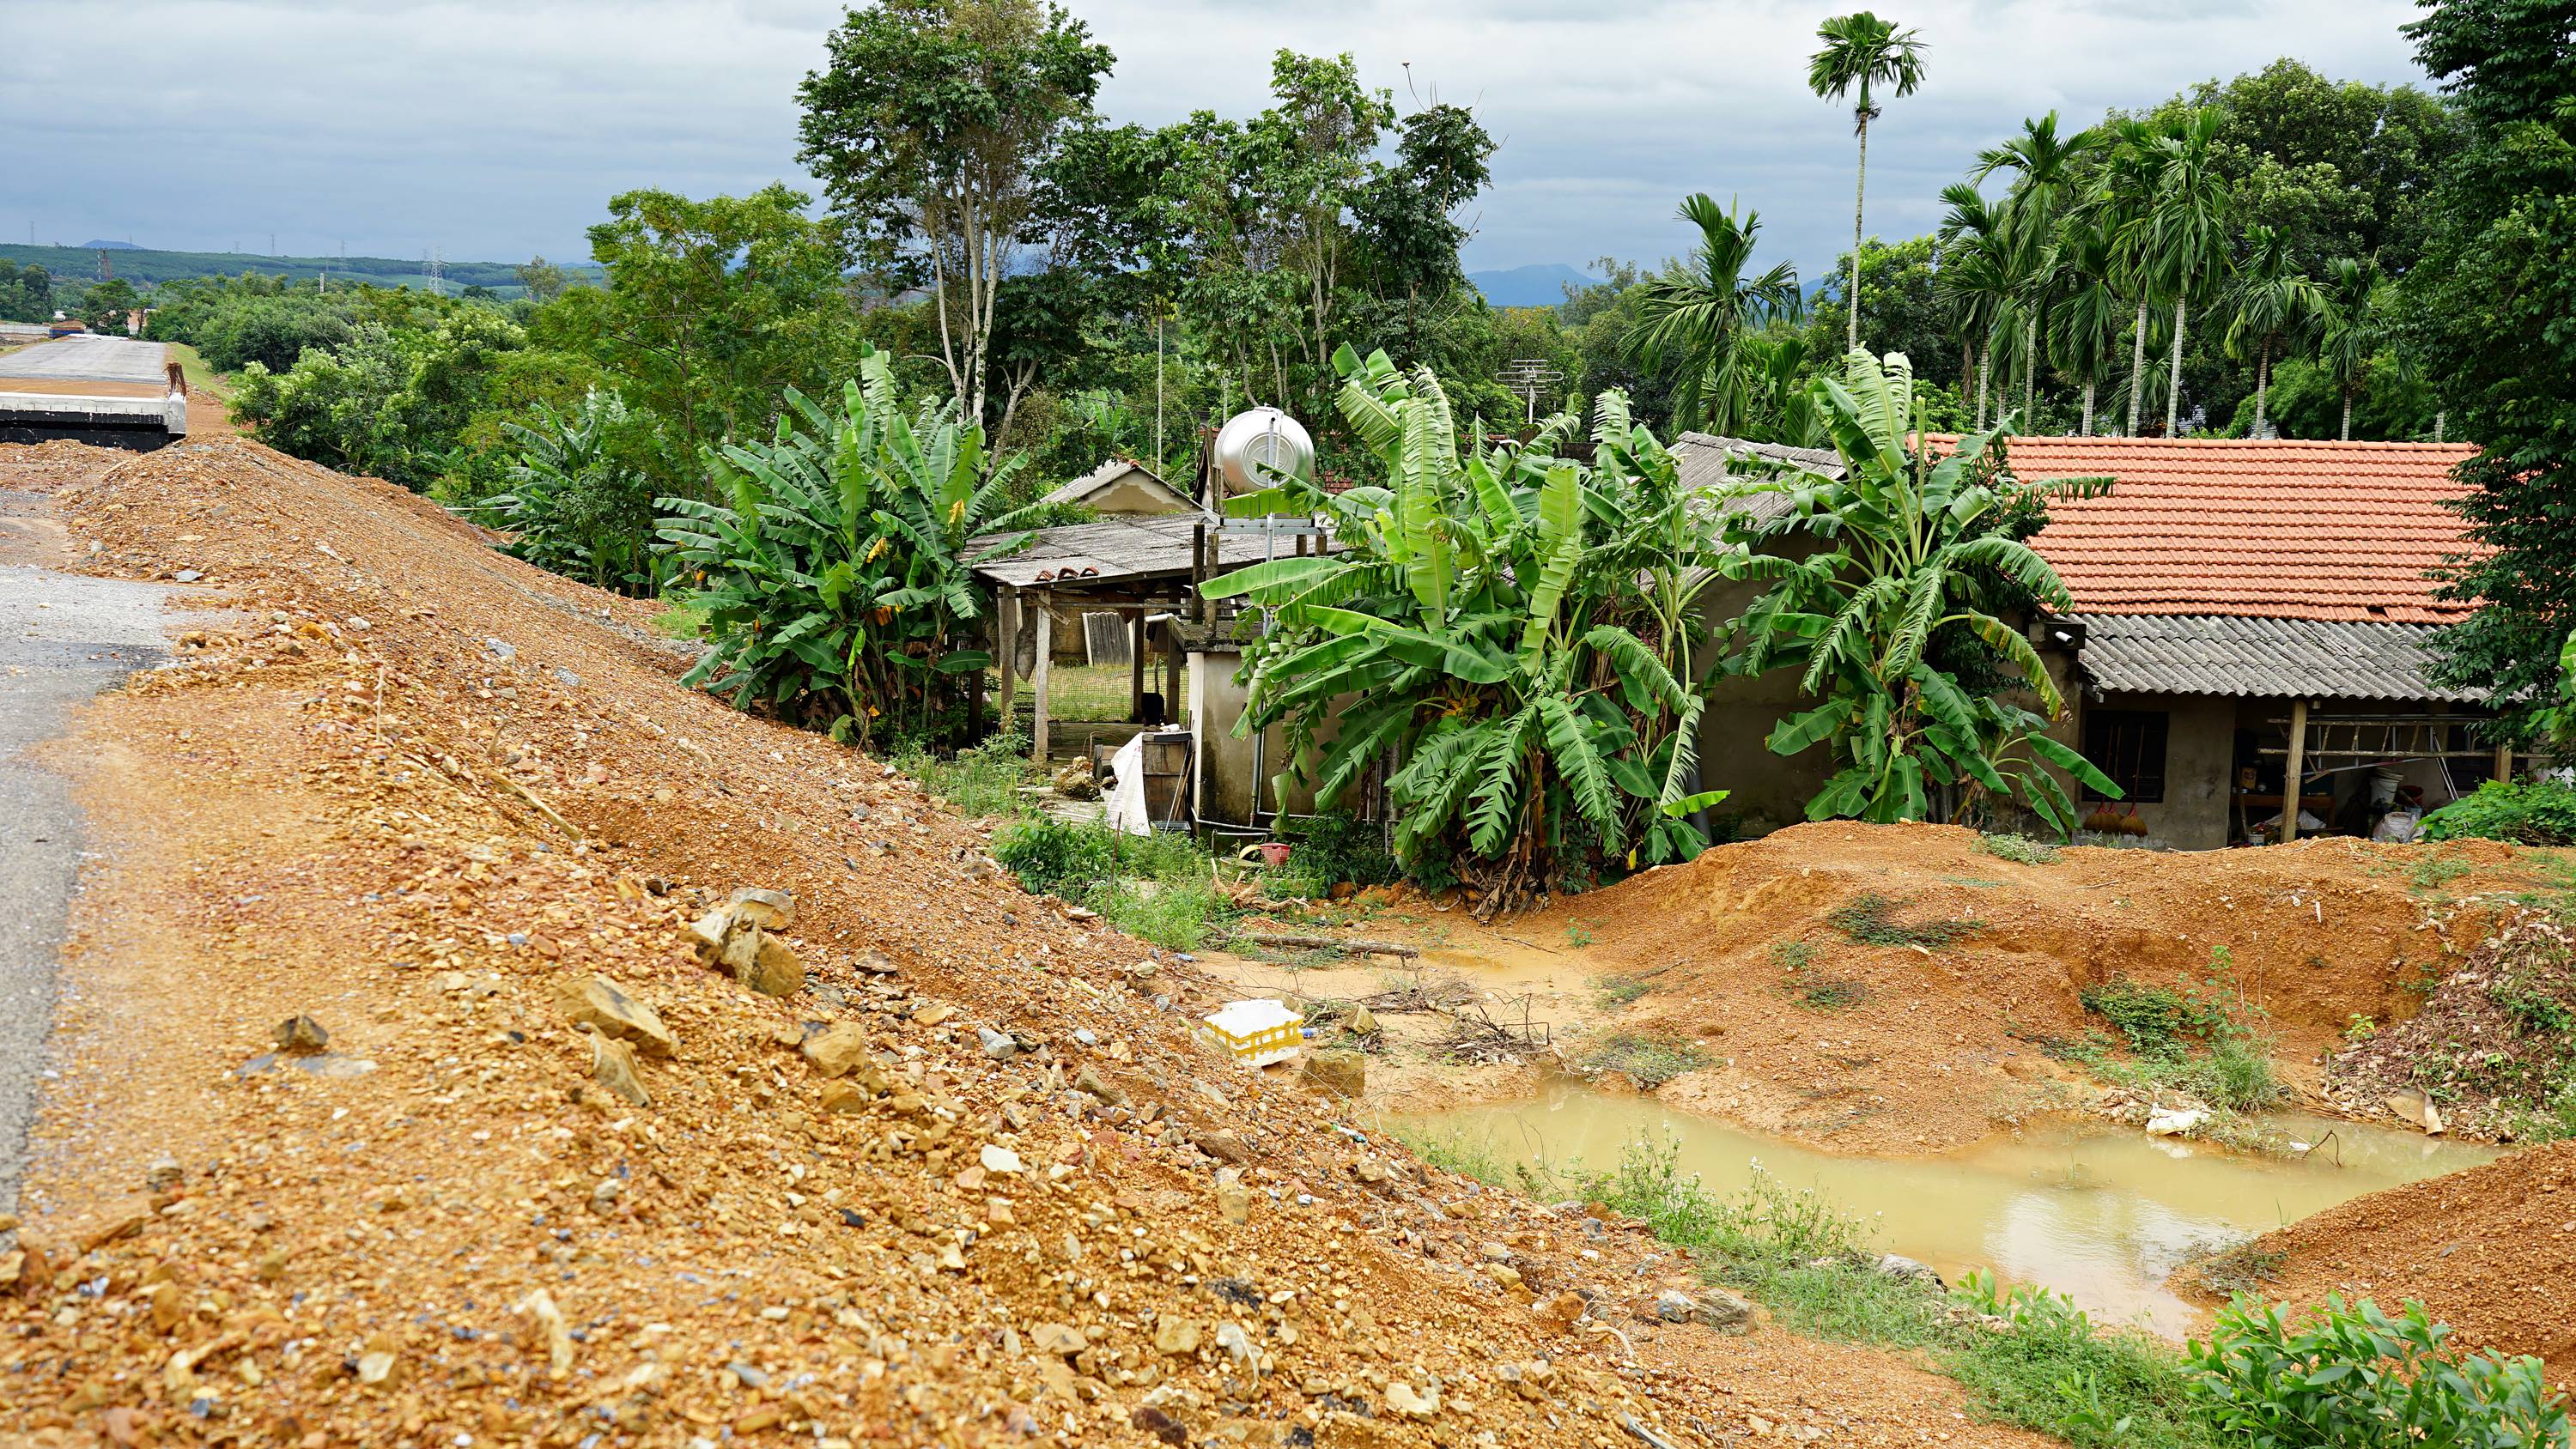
{"points": [[2348, 327], [2185, 244], [2119, 205], [1695, 316], [2275, 306], [1862, 51], [1977, 278], [2084, 325], [2043, 167]]}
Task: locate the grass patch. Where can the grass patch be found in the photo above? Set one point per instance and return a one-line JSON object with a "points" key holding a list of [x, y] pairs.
{"points": [[2211, 1046], [1157, 888], [2020, 849], [985, 780], [201, 378], [2434, 872], [1649, 1061], [681, 621], [1612, 991], [1829, 995], [1871, 920]]}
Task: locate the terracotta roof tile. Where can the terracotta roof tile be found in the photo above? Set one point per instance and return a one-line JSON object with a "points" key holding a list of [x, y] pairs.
{"points": [[2272, 529]]}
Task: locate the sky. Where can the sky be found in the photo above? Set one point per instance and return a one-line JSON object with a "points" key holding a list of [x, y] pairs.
{"points": [[497, 129]]}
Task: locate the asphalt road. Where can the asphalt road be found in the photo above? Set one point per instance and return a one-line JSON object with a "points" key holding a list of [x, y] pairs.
{"points": [[63, 638], [89, 358]]}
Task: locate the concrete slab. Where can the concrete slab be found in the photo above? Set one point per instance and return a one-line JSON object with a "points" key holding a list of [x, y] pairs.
{"points": [[105, 359]]}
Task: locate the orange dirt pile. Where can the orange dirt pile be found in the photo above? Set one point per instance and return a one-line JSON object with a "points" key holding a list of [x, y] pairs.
{"points": [[2490, 1251], [1925, 1046], [418, 786]]}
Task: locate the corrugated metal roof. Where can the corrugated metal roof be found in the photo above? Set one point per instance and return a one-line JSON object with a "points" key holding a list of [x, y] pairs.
{"points": [[1107, 473], [1127, 547], [2260, 658], [1703, 462]]}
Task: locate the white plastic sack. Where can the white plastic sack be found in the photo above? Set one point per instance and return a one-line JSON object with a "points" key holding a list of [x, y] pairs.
{"points": [[1126, 794], [2398, 827]]}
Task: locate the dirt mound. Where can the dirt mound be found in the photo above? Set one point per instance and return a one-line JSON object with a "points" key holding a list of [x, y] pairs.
{"points": [[2493, 1048], [2490, 1251], [1897, 988], [418, 788]]}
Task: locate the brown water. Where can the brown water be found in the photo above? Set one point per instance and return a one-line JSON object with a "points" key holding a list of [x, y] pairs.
{"points": [[2102, 1215]]}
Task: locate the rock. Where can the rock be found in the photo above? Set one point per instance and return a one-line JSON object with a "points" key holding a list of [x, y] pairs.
{"points": [[1531, 1380], [1405, 1402], [2434, 1126], [1060, 1339], [876, 963], [1673, 1306], [997, 1158], [774, 969], [1362, 1022], [1177, 1336], [1898, 1266], [612, 1062], [1000, 1046], [1223, 1145], [1233, 1199], [846, 1099], [299, 1034], [838, 1049], [1238, 1345], [595, 1001], [1494, 1252], [375, 1368], [1342, 1073], [2175, 1121], [1723, 1310], [767, 909], [500, 652], [1089, 1080], [1505, 1274], [1075, 782], [162, 1174], [1560, 1313], [746, 1375], [1159, 1424]]}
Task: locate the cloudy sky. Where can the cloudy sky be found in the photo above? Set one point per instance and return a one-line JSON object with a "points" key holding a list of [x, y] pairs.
{"points": [[494, 129]]}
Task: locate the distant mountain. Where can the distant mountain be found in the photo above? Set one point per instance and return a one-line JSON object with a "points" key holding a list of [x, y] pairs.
{"points": [[109, 246], [1541, 284], [145, 265]]}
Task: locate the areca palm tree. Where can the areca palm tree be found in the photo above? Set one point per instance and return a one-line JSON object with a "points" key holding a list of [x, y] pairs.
{"points": [[2275, 306], [1977, 278], [2119, 205], [2348, 331], [2044, 166], [1697, 315], [1862, 51], [2084, 325], [2185, 242]]}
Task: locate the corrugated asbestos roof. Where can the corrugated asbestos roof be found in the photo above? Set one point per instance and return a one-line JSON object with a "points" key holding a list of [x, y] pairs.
{"points": [[2266, 528], [2260, 658], [1107, 473], [1124, 548], [1703, 462]]}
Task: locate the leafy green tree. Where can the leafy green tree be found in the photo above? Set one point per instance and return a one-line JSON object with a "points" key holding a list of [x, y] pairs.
{"points": [[26, 295], [836, 575], [2045, 169], [1487, 621], [2349, 328], [105, 305], [1861, 51], [2274, 308], [542, 280], [2084, 326], [1696, 315], [1980, 279], [930, 130], [1919, 553], [578, 503], [1906, 313]]}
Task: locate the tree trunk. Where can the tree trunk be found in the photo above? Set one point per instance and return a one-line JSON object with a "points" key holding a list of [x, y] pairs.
{"points": [[2262, 384], [1860, 189], [1985, 375], [2029, 371], [2138, 368], [2088, 407], [2173, 385], [1158, 389], [2347, 415]]}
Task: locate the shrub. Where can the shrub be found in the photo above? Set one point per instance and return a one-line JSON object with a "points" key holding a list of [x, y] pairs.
{"points": [[580, 503], [1057, 856], [1871, 920], [1334, 846], [2018, 848], [2351, 1377], [2535, 812], [1651, 1062], [2059, 1371]]}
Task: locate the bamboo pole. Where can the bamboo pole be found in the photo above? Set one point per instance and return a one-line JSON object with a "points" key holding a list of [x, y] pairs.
{"points": [[1038, 684], [1006, 625], [2297, 768]]}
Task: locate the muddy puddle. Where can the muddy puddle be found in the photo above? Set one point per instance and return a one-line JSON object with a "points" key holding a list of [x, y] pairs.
{"points": [[2103, 1216]]}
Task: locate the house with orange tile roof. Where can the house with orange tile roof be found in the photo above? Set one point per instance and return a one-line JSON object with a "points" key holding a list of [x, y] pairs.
{"points": [[2246, 612]]}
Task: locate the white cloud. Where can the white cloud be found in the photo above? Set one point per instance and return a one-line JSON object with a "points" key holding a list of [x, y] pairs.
{"points": [[494, 128]]}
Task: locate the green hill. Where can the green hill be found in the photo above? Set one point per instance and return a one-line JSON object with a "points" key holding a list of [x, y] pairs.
{"points": [[77, 266]]}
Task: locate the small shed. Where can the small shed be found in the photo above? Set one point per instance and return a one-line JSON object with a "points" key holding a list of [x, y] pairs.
{"points": [[1122, 486]]}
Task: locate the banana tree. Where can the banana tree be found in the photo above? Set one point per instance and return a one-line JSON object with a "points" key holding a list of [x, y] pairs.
{"points": [[836, 578], [1480, 622], [1895, 623]]}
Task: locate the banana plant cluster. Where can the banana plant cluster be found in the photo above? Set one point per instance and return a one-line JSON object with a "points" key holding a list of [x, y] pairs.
{"points": [[1509, 627], [1917, 558], [836, 578]]}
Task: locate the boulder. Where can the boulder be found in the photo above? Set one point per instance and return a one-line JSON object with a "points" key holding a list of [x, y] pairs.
{"points": [[770, 910], [837, 1049], [1898, 1266], [1723, 1310], [774, 969], [597, 1002], [1342, 1073], [612, 1062], [300, 1034]]}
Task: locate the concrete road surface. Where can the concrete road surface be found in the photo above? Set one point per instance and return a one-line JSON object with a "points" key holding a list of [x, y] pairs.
{"points": [[89, 358], [63, 638]]}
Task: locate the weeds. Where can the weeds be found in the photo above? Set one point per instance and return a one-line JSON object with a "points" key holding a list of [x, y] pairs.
{"points": [[1871, 920], [2018, 848], [2161, 1025], [1614, 991], [1792, 955], [2241, 1269], [1577, 936], [1646, 1060], [1830, 995], [1157, 888], [982, 781], [2434, 872]]}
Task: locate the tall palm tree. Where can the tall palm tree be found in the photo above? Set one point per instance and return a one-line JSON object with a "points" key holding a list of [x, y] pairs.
{"points": [[2119, 204], [1977, 278], [2044, 167], [2084, 325], [1696, 315], [2348, 330], [2275, 306], [1862, 51], [2185, 241]]}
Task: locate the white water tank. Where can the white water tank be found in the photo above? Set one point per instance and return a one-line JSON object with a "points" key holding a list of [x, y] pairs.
{"points": [[1255, 449]]}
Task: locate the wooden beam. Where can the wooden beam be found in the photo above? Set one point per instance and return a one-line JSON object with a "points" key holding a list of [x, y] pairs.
{"points": [[1136, 667], [1038, 684], [2504, 761], [1006, 625], [2297, 767]]}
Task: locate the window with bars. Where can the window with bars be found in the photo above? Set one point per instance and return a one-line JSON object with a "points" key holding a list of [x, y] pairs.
{"points": [[2129, 746]]}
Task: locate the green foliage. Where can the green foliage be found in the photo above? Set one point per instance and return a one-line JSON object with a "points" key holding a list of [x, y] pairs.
{"points": [[2156, 1021], [394, 399], [2056, 1370], [2354, 1377], [2232, 1070], [1895, 621], [1334, 846], [1648, 1061], [1792, 955], [1058, 857], [836, 578], [579, 502], [1698, 317], [978, 781], [26, 294], [2020, 849], [1828, 996], [1155, 888], [236, 321], [2526, 812], [1871, 920], [104, 305], [1488, 609], [1618, 991]]}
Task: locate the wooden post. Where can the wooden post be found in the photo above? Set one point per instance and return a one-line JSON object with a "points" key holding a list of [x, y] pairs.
{"points": [[1007, 626], [1199, 571], [1136, 666], [2296, 769], [2504, 762], [1038, 684]]}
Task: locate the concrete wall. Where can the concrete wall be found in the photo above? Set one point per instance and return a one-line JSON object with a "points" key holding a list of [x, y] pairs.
{"points": [[1226, 768], [1134, 493], [2200, 764]]}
